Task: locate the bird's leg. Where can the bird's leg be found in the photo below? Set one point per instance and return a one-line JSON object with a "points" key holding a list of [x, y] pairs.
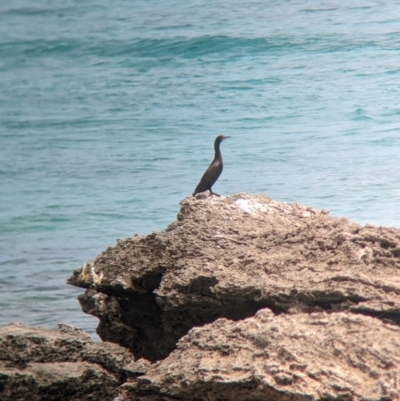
{"points": [[213, 193]]}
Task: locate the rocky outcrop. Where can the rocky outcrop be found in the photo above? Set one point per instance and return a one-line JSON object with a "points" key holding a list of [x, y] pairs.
{"points": [[302, 357], [242, 298], [229, 258], [63, 364]]}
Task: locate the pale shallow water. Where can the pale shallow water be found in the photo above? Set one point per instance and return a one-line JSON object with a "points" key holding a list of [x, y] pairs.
{"points": [[108, 114]]}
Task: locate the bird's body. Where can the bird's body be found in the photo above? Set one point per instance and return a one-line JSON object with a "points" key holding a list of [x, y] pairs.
{"points": [[214, 169]]}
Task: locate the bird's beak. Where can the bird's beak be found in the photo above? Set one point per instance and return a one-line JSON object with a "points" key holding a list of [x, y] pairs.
{"points": [[227, 137]]}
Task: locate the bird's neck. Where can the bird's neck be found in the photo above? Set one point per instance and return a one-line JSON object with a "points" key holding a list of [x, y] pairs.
{"points": [[218, 155]]}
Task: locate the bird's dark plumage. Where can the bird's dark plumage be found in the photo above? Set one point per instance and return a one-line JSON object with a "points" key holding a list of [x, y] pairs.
{"points": [[214, 170]]}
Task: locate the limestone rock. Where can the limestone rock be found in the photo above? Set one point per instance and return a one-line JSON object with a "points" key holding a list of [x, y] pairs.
{"points": [[230, 257], [317, 356], [63, 364]]}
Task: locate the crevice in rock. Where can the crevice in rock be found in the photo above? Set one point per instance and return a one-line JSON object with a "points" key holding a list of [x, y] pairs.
{"points": [[150, 280], [198, 313], [384, 316], [135, 322], [151, 328], [139, 324], [202, 285], [337, 305]]}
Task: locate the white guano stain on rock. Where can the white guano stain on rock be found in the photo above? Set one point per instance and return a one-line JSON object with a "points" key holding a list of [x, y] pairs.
{"points": [[249, 206]]}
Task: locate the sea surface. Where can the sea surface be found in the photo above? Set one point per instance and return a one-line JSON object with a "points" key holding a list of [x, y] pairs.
{"points": [[109, 110]]}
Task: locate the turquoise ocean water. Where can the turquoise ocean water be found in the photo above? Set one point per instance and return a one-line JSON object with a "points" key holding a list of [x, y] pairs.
{"points": [[108, 112]]}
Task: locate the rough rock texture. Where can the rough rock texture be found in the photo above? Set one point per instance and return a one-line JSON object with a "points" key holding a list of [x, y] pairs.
{"points": [[304, 357], [64, 364], [230, 257]]}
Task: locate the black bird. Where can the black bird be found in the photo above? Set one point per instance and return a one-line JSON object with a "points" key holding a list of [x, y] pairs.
{"points": [[214, 169]]}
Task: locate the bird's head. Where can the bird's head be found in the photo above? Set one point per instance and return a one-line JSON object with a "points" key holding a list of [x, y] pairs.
{"points": [[221, 138]]}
